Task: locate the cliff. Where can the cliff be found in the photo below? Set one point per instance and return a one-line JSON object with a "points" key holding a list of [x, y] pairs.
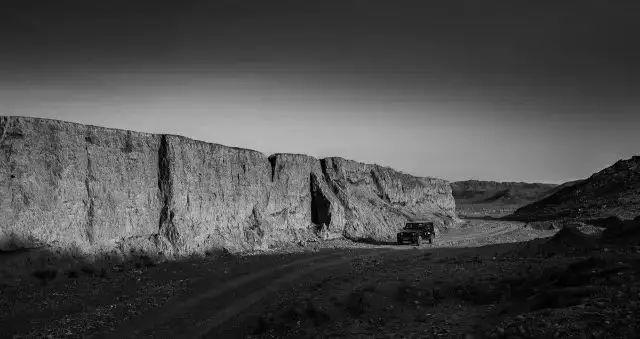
{"points": [[95, 189], [614, 191], [377, 198]]}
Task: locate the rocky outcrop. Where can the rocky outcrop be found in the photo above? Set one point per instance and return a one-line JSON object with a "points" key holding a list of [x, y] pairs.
{"points": [[72, 185], [614, 191], [377, 200], [96, 189]]}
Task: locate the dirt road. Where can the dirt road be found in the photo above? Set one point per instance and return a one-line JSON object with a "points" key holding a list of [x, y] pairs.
{"points": [[218, 309], [479, 279], [287, 294], [209, 306]]}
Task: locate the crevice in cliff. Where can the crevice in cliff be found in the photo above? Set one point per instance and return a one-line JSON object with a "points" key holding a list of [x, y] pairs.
{"points": [[90, 201], [8, 148], [254, 225], [320, 205], [165, 224], [382, 194], [327, 177], [323, 167], [128, 144], [333, 186], [272, 161], [4, 124]]}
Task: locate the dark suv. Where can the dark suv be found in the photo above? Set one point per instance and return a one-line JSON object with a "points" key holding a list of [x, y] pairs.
{"points": [[414, 231]]}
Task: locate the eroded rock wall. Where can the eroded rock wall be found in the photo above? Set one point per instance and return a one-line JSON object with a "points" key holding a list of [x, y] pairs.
{"points": [[300, 204], [96, 189], [69, 185], [215, 195], [379, 200]]}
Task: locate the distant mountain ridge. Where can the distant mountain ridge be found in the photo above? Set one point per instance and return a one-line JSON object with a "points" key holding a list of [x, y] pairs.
{"points": [[614, 191], [477, 191], [492, 198]]}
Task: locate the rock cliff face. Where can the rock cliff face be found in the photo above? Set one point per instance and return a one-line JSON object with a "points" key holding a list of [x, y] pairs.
{"points": [[96, 189], [378, 199], [614, 191], [70, 185]]}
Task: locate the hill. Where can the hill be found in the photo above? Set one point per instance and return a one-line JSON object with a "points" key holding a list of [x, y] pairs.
{"points": [[491, 198], [614, 191]]}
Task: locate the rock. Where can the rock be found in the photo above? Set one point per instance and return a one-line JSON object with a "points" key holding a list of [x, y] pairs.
{"points": [[72, 185], [213, 196], [93, 189], [378, 200], [300, 202]]}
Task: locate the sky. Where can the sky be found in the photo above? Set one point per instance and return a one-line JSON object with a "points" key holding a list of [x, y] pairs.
{"points": [[536, 91]]}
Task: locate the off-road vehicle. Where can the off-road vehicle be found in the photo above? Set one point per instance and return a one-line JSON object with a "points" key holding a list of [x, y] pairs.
{"points": [[414, 231]]}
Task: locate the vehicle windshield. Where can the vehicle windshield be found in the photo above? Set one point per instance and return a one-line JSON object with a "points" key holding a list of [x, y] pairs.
{"points": [[418, 226]]}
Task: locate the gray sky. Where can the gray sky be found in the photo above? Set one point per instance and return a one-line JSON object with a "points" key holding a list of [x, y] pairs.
{"points": [[495, 90]]}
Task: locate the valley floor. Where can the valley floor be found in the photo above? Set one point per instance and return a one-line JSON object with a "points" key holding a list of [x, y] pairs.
{"points": [[488, 278]]}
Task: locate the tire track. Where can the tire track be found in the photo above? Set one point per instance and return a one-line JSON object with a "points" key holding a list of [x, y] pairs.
{"points": [[206, 328], [201, 312], [452, 240]]}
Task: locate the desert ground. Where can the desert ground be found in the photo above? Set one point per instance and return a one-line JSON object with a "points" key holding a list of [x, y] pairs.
{"points": [[488, 278]]}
